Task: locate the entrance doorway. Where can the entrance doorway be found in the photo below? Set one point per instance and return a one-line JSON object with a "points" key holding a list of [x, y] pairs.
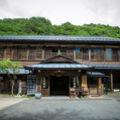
{"points": [[59, 85], [93, 85]]}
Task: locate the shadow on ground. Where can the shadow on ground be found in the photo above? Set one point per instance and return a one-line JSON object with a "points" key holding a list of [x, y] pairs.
{"points": [[53, 110], [60, 114]]}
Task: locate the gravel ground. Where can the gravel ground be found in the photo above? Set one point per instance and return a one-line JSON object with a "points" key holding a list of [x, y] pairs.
{"points": [[117, 97], [99, 109]]}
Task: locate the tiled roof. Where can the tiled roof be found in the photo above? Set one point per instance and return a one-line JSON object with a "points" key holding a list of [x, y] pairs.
{"points": [[20, 71], [107, 67], [58, 66], [73, 66], [96, 74], [59, 38]]}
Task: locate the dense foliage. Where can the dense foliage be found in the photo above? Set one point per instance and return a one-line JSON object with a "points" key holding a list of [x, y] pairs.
{"points": [[5, 66], [43, 26]]}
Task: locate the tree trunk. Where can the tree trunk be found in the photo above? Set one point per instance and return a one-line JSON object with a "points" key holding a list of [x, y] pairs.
{"points": [[12, 87]]}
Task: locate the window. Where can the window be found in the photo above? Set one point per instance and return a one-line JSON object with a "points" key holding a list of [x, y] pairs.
{"points": [[82, 53], [115, 56], [50, 52], [70, 53], [35, 53], [1, 53], [97, 54], [63, 51], [44, 82], [20, 53], [75, 83], [119, 54], [54, 51], [67, 52], [9, 53], [108, 54]]}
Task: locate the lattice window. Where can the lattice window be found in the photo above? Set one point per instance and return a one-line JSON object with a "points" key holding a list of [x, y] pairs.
{"points": [[31, 84], [97, 54], [51, 52], [1, 53], [115, 54], [75, 82], [9, 53], [35, 53], [108, 54], [119, 54], [44, 82], [82, 53], [20, 53], [67, 52]]}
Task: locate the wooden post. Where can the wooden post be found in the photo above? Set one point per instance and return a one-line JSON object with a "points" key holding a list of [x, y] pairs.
{"points": [[43, 54], [27, 53], [69, 85], [49, 85], [104, 55], [5, 50], [89, 55], [84, 81], [74, 53], [100, 83], [111, 80], [100, 86], [12, 54], [39, 83]]}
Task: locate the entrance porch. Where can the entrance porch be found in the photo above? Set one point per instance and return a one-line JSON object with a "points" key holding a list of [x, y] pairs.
{"points": [[62, 76]]}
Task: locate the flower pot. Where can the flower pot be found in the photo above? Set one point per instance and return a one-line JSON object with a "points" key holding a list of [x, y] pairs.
{"points": [[38, 95]]}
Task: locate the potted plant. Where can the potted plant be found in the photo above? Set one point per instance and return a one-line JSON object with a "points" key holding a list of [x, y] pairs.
{"points": [[38, 95]]}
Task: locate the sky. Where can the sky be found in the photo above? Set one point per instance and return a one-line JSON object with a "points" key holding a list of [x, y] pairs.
{"points": [[77, 12]]}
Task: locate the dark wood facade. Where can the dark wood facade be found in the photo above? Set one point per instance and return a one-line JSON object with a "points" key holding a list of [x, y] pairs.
{"points": [[74, 80]]}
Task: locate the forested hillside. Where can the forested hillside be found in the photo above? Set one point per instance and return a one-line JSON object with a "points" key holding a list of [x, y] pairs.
{"points": [[43, 26]]}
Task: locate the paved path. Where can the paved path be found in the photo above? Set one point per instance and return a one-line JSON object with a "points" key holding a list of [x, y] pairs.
{"points": [[108, 109], [8, 101]]}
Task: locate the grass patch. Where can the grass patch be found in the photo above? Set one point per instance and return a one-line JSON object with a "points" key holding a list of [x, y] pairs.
{"points": [[113, 94], [25, 96], [15, 95], [8, 95]]}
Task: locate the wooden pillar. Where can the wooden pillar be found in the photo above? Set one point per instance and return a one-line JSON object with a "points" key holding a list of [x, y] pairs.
{"points": [[39, 83], [48, 85], [111, 80], [89, 54], [27, 53], [100, 86], [69, 85], [5, 50], [104, 55], [84, 81], [12, 53], [74, 53], [100, 83], [43, 54]]}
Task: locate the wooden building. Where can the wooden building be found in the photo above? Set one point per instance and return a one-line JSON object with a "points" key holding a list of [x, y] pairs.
{"points": [[62, 65]]}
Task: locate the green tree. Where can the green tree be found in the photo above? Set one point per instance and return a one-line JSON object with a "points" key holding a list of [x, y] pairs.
{"points": [[11, 68], [43, 26]]}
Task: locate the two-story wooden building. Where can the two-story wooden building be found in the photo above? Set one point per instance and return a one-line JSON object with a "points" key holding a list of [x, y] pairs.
{"points": [[62, 65]]}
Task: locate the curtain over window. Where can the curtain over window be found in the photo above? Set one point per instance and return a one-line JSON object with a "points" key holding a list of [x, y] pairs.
{"points": [[44, 82], [75, 82], [82, 53], [97, 54], [108, 54]]}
